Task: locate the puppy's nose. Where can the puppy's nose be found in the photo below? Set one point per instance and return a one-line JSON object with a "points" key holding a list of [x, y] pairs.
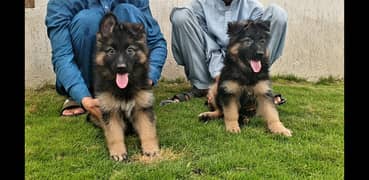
{"points": [[260, 53], [121, 68]]}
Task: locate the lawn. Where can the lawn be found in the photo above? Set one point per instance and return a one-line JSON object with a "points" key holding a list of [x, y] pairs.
{"points": [[71, 148]]}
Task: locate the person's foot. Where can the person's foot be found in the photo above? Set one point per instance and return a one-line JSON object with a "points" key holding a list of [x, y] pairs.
{"points": [[71, 108], [279, 100], [73, 111], [185, 96]]}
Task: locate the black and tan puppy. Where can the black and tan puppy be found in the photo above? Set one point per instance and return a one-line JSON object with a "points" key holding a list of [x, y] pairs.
{"points": [[244, 87], [121, 85]]}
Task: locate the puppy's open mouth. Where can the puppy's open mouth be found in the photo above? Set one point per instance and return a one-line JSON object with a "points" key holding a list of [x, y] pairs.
{"points": [[255, 65], [121, 80]]}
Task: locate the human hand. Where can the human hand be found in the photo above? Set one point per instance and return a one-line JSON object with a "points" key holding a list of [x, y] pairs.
{"points": [[213, 89], [211, 96], [92, 106], [151, 82]]}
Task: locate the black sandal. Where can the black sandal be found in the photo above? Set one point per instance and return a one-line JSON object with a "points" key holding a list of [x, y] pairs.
{"points": [[282, 100], [185, 96], [69, 103]]}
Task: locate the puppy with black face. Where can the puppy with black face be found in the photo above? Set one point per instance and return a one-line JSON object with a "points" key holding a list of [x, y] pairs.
{"points": [[121, 85], [244, 87]]}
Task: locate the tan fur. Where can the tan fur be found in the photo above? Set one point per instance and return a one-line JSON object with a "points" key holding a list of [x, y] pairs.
{"points": [[266, 108], [261, 87], [231, 116], [142, 57], [233, 50], [144, 98], [231, 87], [213, 114], [109, 102], [114, 137], [100, 58], [146, 130]]}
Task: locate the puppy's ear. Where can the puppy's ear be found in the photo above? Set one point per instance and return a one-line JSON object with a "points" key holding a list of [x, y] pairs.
{"points": [[264, 24], [236, 27], [137, 30], [107, 24]]}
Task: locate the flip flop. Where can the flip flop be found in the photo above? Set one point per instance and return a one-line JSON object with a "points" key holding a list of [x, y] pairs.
{"points": [[282, 101], [185, 96], [70, 104]]}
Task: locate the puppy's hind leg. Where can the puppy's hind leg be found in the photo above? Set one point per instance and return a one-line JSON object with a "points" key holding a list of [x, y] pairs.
{"points": [[206, 116], [214, 112]]}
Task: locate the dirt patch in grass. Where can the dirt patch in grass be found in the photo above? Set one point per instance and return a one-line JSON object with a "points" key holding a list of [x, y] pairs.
{"points": [[164, 155]]}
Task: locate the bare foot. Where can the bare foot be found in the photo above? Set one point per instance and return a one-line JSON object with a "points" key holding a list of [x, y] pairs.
{"points": [[71, 108], [73, 111]]}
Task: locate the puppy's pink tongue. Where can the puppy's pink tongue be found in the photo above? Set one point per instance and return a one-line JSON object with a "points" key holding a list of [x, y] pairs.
{"points": [[255, 65], [122, 80]]}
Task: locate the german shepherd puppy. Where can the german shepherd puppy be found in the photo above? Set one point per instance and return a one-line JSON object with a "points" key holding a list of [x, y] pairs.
{"points": [[244, 87], [122, 87]]}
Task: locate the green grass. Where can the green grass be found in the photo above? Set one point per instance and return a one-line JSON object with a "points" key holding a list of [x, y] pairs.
{"points": [[70, 148]]}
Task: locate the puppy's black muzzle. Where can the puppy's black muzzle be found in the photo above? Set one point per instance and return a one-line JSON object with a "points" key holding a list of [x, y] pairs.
{"points": [[122, 68]]}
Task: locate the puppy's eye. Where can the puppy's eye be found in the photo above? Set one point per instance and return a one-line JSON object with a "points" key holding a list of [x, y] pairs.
{"points": [[131, 51], [247, 41], [262, 41], [110, 51]]}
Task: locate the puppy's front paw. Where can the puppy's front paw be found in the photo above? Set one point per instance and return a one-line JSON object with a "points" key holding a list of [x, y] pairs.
{"points": [[278, 128], [150, 149], [151, 153], [119, 157], [233, 129], [118, 152]]}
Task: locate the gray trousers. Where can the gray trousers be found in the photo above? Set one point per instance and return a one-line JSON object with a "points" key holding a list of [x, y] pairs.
{"points": [[189, 43]]}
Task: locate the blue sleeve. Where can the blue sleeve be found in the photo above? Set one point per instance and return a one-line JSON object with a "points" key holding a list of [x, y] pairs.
{"points": [[59, 15], [155, 39]]}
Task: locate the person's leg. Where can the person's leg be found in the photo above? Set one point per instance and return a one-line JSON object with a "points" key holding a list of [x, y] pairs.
{"points": [[129, 13], [189, 47], [83, 29], [278, 27]]}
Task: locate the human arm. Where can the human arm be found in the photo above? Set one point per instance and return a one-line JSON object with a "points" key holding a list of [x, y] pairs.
{"points": [[92, 105], [213, 88], [59, 15]]}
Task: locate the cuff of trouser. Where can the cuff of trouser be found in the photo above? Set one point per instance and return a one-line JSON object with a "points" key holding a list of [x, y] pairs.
{"points": [[78, 92], [215, 74]]}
